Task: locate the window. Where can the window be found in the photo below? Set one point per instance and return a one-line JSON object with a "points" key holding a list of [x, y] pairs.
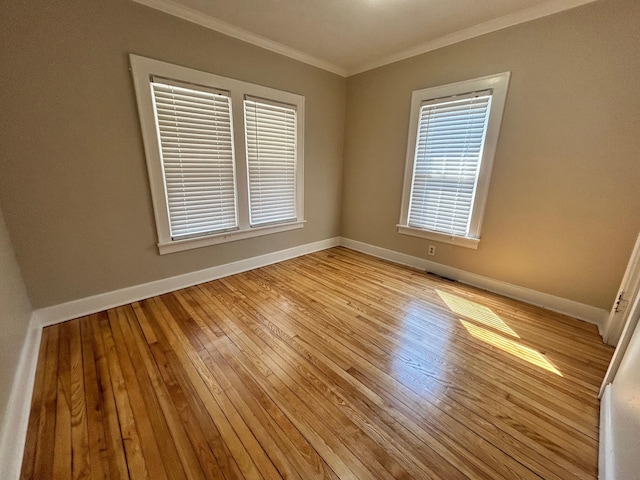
{"points": [[452, 141], [224, 156], [196, 146], [270, 130]]}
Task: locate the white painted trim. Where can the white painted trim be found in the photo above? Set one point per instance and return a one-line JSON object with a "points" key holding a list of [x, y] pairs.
{"points": [[629, 291], [606, 470], [142, 70], [195, 16], [625, 339], [13, 433], [498, 85], [466, 242], [574, 309], [197, 242], [97, 303], [526, 15]]}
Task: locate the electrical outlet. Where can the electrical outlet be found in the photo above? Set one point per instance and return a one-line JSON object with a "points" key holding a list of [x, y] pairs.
{"points": [[432, 250]]}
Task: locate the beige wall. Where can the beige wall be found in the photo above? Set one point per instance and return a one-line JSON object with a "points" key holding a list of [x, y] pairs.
{"points": [[15, 312], [74, 185], [562, 211], [564, 200]]}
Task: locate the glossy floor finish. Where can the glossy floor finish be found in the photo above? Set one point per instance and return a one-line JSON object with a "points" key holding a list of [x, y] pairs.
{"points": [[331, 365]]}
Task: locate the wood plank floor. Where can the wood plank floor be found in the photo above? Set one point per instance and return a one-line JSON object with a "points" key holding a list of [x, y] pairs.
{"points": [[331, 365]]}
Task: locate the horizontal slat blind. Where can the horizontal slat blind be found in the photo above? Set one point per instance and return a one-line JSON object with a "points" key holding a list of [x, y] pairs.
{"points": [[449, 146], [196, 143], [271, 134]]}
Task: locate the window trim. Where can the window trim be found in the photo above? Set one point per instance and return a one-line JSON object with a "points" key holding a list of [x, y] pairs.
{"points": [[143, 70], [247, 141], [498, 84]]}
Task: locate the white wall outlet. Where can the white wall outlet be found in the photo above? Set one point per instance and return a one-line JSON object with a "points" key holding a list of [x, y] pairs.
{"points": [[432, 250]]}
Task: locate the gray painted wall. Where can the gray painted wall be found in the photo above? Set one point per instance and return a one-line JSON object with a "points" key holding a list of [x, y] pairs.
{"points": [[15, 312], [74, 185], [563, 208]]}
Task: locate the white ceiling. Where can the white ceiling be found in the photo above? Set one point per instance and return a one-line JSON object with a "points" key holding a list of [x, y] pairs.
{"points": [[351, 36]]}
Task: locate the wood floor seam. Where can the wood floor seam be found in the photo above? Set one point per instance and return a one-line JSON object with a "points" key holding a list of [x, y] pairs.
{"points": [[333, 365]]}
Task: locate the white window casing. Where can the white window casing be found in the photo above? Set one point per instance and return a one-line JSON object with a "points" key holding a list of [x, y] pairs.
{"points": [[202, 155], [453, 135]]}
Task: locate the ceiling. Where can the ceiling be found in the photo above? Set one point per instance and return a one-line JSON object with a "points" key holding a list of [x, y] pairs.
{"points": [[351, 36]]}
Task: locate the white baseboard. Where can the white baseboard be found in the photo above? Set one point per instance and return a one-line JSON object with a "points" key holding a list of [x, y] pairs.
{"points": [[13, 434], [97, 303], [14, 429], [588, 313], [606, 470]]}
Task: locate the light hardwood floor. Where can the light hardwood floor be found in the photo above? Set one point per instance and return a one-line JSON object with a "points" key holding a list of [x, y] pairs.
{"points": [[331, 365]]}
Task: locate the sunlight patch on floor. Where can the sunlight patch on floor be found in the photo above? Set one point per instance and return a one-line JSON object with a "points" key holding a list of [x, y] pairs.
{"points": [[510, 346], [476, 312]]}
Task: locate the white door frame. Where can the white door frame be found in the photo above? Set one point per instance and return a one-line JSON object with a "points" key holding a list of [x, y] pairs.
{"points": [[625, 338], [628, 290], [624, 315]]}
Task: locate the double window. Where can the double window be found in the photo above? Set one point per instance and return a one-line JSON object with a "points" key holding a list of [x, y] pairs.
{"points": [[452, 140], [224, 156]]}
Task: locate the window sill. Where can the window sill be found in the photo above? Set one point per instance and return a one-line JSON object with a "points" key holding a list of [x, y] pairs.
{"points": [[197, 242], [466, 242]]}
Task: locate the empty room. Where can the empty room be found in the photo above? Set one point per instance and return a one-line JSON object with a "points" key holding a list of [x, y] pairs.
{"points": [[368, 239]]}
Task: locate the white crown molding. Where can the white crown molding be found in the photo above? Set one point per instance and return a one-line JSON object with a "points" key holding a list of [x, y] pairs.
{"points": [[195, 16], [204, 20], [538, 11], [587, 313], [13, 434]]}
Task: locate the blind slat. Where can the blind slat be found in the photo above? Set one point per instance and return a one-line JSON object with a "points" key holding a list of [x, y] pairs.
{"points": [[449, 144], [271, 136], [196, 143]]}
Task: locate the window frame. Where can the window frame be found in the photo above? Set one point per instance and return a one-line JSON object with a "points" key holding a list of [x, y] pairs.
{"points": [[143, 70], [498, 85], [252, 139]]}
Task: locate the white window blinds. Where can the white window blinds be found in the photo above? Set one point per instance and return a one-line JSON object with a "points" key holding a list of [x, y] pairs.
{"points": [[271, 132], [196, 143], [449, 146]]}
